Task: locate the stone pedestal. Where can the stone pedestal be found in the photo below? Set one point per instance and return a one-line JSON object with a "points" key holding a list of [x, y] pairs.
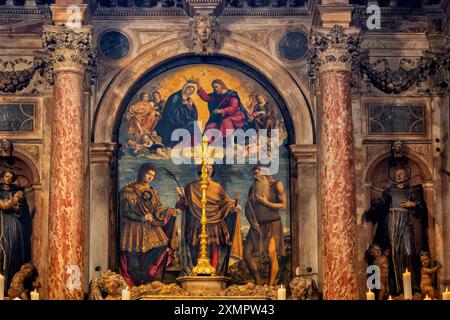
{"points": [[337, 177], [69, 52]]}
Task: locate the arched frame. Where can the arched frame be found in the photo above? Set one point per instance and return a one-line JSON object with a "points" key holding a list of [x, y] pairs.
{"points": [[155, 59]]}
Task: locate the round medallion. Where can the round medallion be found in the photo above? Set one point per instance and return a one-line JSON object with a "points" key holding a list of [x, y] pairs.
{"points": [[293, 45], [114, 45]]}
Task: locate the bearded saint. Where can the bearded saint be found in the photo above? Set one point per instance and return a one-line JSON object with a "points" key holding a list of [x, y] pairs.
{"points": [[223, 225]]}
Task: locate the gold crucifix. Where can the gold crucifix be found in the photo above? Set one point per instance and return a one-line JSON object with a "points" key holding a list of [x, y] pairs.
{"points": [[204, 267]]}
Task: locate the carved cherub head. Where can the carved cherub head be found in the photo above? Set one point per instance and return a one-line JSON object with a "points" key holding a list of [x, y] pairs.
{"points": [[204, 35], [6, 148]]}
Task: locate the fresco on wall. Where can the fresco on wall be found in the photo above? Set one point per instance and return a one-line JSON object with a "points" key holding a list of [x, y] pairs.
{"points": [[159, 200]]}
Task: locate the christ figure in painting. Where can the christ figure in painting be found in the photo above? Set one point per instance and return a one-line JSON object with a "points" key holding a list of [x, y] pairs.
{"points": [[225, 107]]}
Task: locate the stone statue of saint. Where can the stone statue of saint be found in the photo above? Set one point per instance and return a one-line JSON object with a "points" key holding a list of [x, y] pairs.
{"points": [[223, 225], [401, 216], [148, 235], [15, 226], [266, 198]]}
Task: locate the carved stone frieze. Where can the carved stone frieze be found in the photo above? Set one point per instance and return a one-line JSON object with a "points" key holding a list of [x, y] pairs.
{"points": [[16, 75]]}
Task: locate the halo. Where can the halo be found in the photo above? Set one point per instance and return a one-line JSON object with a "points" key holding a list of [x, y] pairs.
{"points": [[403, 165]]}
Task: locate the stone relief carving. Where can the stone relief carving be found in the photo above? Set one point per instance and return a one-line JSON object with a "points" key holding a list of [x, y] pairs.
{"points": [[433, 68], [16, 75], [204, 34], [336, 50], [70, 49]]}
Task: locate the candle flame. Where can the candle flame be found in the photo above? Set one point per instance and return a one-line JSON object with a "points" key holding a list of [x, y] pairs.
{"points": [[446, 289], [406, 270], [390, 297]]}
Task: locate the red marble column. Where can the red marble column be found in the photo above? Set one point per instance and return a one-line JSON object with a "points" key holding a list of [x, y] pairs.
{"points": [[337, 176], [69, 54]]}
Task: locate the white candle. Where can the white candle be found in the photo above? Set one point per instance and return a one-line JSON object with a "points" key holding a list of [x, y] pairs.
{"points": [[427, 297], [2, 287], [281, 293], [446, 294], [34, 295], [126, 294], [407, 285], [370, 295]]}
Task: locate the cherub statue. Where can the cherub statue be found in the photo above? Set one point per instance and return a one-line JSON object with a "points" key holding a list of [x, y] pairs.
{"points": [[24, 282], [108, 287], [304, 288], [380, 259], [427, 276], [204, 35]]}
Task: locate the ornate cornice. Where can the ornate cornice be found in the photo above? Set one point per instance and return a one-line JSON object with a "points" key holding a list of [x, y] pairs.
{"points": [[334, 49], [69, 49]]}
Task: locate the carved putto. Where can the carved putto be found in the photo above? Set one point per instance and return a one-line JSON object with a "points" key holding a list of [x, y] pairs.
{"points": [[204, 34], [24, 282]]}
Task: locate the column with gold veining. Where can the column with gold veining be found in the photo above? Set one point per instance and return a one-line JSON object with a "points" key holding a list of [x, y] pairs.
{"points": [[333, 50], [69, 51]]}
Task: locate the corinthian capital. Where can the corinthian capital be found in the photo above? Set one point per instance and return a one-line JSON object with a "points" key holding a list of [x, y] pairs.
{"points": [[335, 49], [69, 49]]}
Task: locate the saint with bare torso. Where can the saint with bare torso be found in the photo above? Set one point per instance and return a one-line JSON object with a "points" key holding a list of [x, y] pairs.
{"points": [[266, 198]]}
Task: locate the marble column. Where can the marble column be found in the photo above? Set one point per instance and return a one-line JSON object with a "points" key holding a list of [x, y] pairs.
{"points": [[332, 60], [69, 52]]}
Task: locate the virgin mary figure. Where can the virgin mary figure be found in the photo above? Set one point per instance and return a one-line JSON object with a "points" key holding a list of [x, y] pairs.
{"points": [[180, 112]]}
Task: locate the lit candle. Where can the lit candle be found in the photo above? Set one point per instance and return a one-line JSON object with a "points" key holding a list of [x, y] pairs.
{"points": [[446, 294], [34, 295], [390, 297], [126, 294], [2, 287], [427, 297], [370, 295], [281, 293], [407, 286]]}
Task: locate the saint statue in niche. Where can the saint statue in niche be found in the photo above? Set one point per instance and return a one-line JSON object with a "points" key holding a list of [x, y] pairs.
{"points": [[402, 220], [148, 236], [223, 225], [15, 226]]}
